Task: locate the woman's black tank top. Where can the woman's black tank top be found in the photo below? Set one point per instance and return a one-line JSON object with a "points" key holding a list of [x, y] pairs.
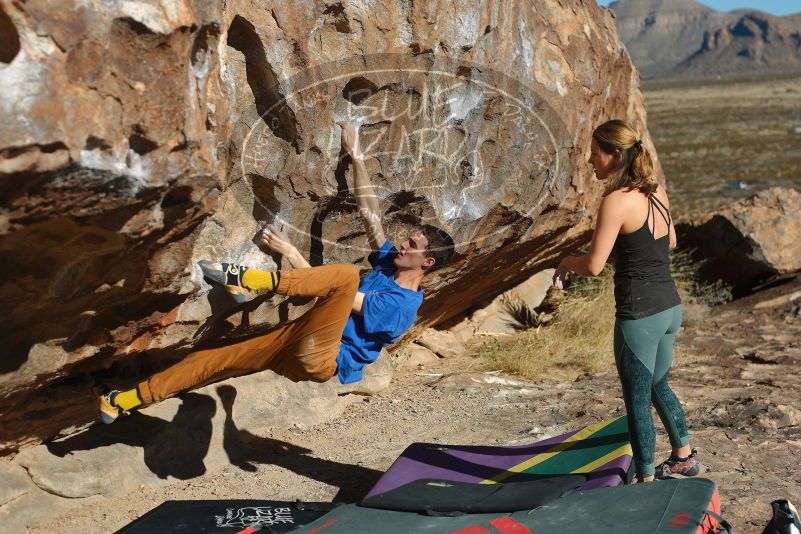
{"points": [[643, 284]]}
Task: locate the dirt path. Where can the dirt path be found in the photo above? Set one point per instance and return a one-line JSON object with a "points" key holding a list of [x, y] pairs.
{"points": [[736, 374]]}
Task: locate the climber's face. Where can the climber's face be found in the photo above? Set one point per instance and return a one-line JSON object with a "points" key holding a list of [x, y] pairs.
{"points": [[600, 160], [412, 253]]}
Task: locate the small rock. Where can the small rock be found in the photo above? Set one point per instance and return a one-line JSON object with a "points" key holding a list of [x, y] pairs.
{"points": [[376, 377], [464, 330], [481, 381], [778, 301], [418, 355], [496, 318], [441, 342], [16, 482], [785, 415]]}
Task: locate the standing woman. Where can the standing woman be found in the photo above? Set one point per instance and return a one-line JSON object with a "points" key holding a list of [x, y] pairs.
{"points": [[635, 227]]}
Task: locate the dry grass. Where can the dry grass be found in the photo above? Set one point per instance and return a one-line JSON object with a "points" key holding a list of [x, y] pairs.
{"points": [[697, 297], [579, 341]]}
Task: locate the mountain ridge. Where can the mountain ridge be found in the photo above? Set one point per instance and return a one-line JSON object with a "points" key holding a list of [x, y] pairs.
{"points": [[683, 38]]}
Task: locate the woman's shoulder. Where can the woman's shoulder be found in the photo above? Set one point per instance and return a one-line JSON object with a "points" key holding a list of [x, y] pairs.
{"points": [[623, 197], [661, 194]]}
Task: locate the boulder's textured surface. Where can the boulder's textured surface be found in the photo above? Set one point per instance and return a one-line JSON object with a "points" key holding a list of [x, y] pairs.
{"points": [[138, 137], [748, 241]]}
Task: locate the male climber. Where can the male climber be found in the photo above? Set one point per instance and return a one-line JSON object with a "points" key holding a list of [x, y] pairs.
{"points": [[344, 330]]}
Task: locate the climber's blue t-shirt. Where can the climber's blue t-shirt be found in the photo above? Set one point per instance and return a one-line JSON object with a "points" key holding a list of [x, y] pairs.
{"points": [[388, 311]]}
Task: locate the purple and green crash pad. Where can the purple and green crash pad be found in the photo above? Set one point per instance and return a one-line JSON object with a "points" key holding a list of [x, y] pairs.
{"points": [[601, 452]]}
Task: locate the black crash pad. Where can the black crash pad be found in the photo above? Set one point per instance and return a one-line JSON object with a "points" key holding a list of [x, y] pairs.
{"points": [[226, 516]]}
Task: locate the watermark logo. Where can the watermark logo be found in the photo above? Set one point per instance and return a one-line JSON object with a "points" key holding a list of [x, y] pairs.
{"points": [[250, 516], [444, 142]]}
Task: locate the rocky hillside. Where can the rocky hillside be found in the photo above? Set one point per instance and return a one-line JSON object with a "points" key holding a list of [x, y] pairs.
{"points": [[752, 43], [142, 136], [668, 38]]}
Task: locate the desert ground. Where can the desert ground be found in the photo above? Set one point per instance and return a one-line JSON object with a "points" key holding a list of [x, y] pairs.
{"points": [[710, 136], [735, 371]]}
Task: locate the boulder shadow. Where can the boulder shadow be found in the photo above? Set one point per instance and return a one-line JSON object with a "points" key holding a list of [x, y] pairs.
{"points": [[245, 450], [171, 448], [217, 330]]}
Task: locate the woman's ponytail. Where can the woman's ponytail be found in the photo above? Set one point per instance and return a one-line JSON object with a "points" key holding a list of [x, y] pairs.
{"points": [[642, 167], [634, 168]]}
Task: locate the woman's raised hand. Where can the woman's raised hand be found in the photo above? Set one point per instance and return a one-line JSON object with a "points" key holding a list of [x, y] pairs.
{"points": [[560, 277]]}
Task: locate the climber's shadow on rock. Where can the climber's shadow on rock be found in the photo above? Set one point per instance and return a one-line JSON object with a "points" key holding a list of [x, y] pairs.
{"points": [[171, 448], [245, 450], [223, 306]]}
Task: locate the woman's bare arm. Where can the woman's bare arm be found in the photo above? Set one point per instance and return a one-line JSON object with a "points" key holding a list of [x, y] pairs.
{"points": [[607, 228]]}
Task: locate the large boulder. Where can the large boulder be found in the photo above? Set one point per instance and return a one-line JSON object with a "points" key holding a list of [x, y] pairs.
{"points": [[138, 137], [747, 241]]}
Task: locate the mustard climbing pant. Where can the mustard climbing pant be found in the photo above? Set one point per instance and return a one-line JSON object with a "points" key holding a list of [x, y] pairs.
{"points": [[303, 349]]}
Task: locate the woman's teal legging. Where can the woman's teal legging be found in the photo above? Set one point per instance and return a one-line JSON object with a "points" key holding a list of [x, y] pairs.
{"points": [[643, 353]]}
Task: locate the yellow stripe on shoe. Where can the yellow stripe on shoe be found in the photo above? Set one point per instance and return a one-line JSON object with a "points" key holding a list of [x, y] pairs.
{"points": [[261, 280], [127, 400]]}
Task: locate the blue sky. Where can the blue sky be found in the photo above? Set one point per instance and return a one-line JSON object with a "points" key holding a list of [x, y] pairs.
{"points": [[776, 7]]}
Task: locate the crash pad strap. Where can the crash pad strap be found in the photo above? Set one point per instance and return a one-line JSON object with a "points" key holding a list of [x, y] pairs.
{"points": [[443, 497]]}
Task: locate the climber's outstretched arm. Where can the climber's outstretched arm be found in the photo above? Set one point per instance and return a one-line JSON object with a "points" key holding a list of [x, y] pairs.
{"points": [[366, 198]]}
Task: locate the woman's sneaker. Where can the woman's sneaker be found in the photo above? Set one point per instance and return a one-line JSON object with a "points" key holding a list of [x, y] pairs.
{"points": [[688, 467]]}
